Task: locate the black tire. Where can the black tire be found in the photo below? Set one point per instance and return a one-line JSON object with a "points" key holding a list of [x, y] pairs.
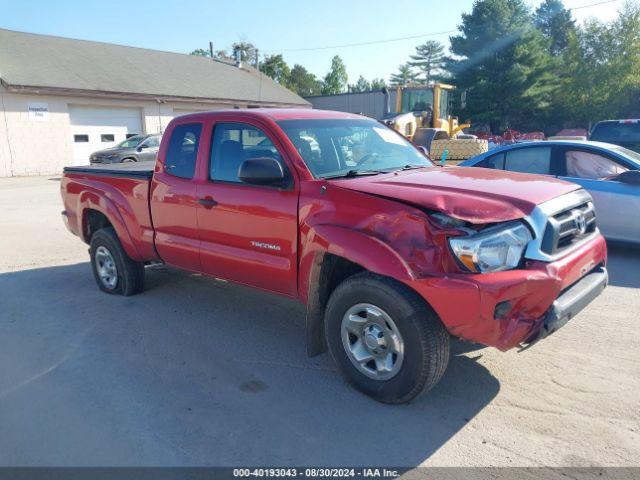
{"points": [[128, 160], [130, 274], [426, 341]]}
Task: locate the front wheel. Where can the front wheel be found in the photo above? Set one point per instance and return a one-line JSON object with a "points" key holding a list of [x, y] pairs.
{"points": [[385, 339], [112, 268]]}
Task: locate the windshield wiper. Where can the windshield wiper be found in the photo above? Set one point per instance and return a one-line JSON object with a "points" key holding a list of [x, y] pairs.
{"points": [[353, 174], [407, 167]]}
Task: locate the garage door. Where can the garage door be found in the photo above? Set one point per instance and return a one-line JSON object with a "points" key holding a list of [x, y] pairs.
{"points": [[97, 128]]}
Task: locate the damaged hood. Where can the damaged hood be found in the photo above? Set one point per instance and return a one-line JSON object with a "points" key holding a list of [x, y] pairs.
{"points": [[476, 195]]}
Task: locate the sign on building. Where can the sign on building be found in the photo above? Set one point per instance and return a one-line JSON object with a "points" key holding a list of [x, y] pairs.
{"points": [[38, 111]]}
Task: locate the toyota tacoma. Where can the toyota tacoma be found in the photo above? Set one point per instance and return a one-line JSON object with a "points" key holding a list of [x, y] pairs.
{"points": [[390, 254]]}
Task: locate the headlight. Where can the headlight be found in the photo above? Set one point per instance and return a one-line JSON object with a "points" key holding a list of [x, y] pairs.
{"points": [[492, 250]]}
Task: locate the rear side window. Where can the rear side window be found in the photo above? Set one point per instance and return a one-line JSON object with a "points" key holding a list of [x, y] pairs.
{"points": [[232, 144], [529, 160], [183, 150], [494, 161]]}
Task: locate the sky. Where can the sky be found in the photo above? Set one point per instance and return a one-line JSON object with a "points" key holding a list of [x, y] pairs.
{"points": [[274, 26]]}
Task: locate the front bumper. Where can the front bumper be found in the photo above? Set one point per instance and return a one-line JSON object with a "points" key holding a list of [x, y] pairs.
{"points": [[518, 307], [571, 302]]}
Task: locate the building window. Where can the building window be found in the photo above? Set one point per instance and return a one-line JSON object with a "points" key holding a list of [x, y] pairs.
{"points": [[81, 138], [107, 137]]}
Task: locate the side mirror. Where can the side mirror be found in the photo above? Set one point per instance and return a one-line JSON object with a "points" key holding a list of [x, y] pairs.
{"points": [[632, 177], [142, 147], [423, 150], [261, 171]]}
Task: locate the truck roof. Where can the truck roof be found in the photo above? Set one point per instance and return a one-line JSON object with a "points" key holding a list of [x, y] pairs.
{"points": [[277, 113]]}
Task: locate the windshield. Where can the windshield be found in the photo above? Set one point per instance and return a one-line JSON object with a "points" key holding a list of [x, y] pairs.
{"points": [[131, 141], [630, 154], [334, 147], [416, 100]]}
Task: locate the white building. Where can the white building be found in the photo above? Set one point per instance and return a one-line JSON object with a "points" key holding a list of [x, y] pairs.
{"points": [[61, 99]]}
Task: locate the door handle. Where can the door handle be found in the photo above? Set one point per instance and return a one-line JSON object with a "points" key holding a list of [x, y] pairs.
{"points": [[207, 202]]}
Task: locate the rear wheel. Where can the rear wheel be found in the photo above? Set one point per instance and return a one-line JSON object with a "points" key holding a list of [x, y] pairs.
{"points": [[113, 270], [385, 339]]}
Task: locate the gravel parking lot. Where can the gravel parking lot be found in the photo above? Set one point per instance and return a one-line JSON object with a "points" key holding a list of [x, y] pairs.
{"points": [[200, 372]]}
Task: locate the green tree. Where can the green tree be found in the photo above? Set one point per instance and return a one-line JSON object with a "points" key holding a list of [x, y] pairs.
{"points": [[404, 76], [275, 67], [303, 82], [378, 84], [201, 52], [555, 23], [503, 64], [220, 54], [247, 51], [362, 85], [336, 80], [429, 60], [601, 71]]}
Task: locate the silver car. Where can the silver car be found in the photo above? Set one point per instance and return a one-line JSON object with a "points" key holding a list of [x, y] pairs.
{"points": [[138, 148], [610, 173]]}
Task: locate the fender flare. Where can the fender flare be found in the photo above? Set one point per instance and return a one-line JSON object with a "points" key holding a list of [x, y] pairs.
{"points": [[89, 200], [367, 251]]}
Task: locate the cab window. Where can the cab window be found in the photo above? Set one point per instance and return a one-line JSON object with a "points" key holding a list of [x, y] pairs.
{"points": [[232, 144], [529, 160], [183, 150]]}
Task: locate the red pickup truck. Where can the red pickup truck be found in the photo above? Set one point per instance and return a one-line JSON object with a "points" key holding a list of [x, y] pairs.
{"points": [[390, 254]]}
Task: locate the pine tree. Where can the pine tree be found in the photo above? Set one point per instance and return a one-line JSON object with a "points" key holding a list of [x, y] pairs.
{"points": [[429, 60], [378, 84], [404, 76], [362, 85], [504, 65], [555, 23]]}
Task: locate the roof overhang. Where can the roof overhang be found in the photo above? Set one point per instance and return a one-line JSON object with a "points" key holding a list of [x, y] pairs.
{"points": [[39, 90]]}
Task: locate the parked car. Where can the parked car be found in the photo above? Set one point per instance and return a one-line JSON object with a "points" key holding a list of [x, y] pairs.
{"points": [[610, 173], [625, 133], [389, 253], [138, 148]]}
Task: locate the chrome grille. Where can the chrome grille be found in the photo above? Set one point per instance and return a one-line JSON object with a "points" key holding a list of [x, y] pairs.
{"points": [[561, 224], [568, 227]]}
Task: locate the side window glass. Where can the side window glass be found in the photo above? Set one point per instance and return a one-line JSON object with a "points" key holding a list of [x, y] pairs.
{"points": [[232, 144], [494, 161], [581, 164], [183, 150], [529, 160], [152, 142]]}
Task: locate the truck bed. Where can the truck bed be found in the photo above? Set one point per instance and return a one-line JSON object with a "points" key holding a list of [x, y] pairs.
{"points": [[120, 192], [143, 170]]}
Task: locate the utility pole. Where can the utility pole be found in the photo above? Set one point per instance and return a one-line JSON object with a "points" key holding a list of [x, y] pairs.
{"points": [[257, 59], [211, 49]]}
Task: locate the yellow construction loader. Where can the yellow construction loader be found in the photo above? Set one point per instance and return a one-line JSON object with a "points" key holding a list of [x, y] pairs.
{"points": [[422, 115]]}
